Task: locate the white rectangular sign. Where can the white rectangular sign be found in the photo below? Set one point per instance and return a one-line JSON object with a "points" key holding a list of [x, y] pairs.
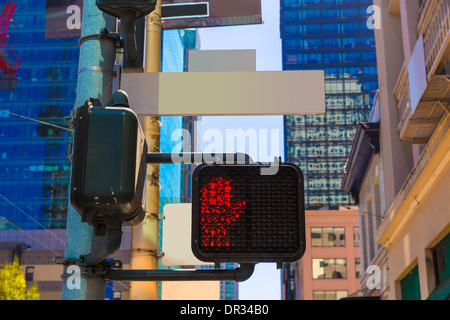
{"points": [[226, 93], [417, 75], [221, 60], [176, 242]]}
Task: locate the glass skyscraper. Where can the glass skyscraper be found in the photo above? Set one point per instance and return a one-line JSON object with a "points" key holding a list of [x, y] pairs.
{"points": [[34, 157], [333, 36], [175, 46], [34, 164]]}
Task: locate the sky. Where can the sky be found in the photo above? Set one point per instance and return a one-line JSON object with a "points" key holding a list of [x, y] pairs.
{"points": [[265, 39]]}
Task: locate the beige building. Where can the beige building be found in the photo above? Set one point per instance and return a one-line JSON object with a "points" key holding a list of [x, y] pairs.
{"points": [[402, 183], [330, 268]]}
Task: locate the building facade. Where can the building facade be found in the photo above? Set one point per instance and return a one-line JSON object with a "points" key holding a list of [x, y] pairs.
{"points": [[34, 156], [409, 241], [34, 164], [364, 180], [330, 268], [175, 47], [33, 152], [333, 36]]}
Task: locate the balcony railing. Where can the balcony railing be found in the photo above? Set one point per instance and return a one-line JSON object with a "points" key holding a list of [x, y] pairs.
{"points": [[434, 26], [401, 94]]}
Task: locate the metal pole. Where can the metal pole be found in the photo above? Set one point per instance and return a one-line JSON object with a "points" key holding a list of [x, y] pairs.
{"points": [[97, 58], [241, 274], [145, 237]]}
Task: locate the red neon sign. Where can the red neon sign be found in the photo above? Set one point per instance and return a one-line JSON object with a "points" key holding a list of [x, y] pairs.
{"points": [[218, 212]]}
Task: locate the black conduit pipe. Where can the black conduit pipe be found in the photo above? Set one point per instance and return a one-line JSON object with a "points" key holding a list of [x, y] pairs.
{"points": [[128, 28], [104, 247]]}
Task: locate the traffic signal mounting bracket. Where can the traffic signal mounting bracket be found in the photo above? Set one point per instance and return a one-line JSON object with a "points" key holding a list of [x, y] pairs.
{"points": [[240, 274], [199, 158], [128, 12], [112, 271]]}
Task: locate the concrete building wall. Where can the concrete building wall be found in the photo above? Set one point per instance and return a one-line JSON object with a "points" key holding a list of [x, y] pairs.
{"points": [[423, 217], [421, 233], [396, 153]]}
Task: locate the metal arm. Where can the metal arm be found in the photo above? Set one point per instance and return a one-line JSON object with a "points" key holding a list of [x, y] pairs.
{"points": [[241, 274], [199, 157]]}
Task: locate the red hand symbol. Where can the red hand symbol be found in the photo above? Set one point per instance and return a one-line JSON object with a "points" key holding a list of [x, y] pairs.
{"points": [[218, 212]]}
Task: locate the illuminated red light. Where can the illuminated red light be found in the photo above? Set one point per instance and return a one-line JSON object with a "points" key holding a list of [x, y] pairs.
{"points": [[242, 216], [218, 212]]}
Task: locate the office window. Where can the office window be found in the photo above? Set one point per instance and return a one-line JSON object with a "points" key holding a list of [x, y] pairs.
{"points": [[329, 268], [29, 274], [357, 268], [356, 236], [328, 237], [329, 295], [117, 295]]}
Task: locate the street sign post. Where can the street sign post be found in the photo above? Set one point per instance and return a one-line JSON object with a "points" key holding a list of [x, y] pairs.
{"points": [[63, 17], [185, 10], [182, 14]]}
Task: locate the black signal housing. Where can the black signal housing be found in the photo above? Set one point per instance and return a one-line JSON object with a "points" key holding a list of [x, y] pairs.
{"points": [[240, 215]]}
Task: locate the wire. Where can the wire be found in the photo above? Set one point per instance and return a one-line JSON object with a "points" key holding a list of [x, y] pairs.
{"points": [[120, 283], [57, 253], [364, 212], [38, 121], [18, 228], [20, 210]]}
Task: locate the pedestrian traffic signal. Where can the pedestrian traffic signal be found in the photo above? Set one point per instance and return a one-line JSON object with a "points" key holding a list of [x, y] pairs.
{"points": [[108, 165], [240, 215], [116, 8]]}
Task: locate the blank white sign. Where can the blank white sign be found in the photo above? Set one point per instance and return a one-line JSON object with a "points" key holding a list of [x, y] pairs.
{"points": [[226, 93], [417, 75], [176, 243]]}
